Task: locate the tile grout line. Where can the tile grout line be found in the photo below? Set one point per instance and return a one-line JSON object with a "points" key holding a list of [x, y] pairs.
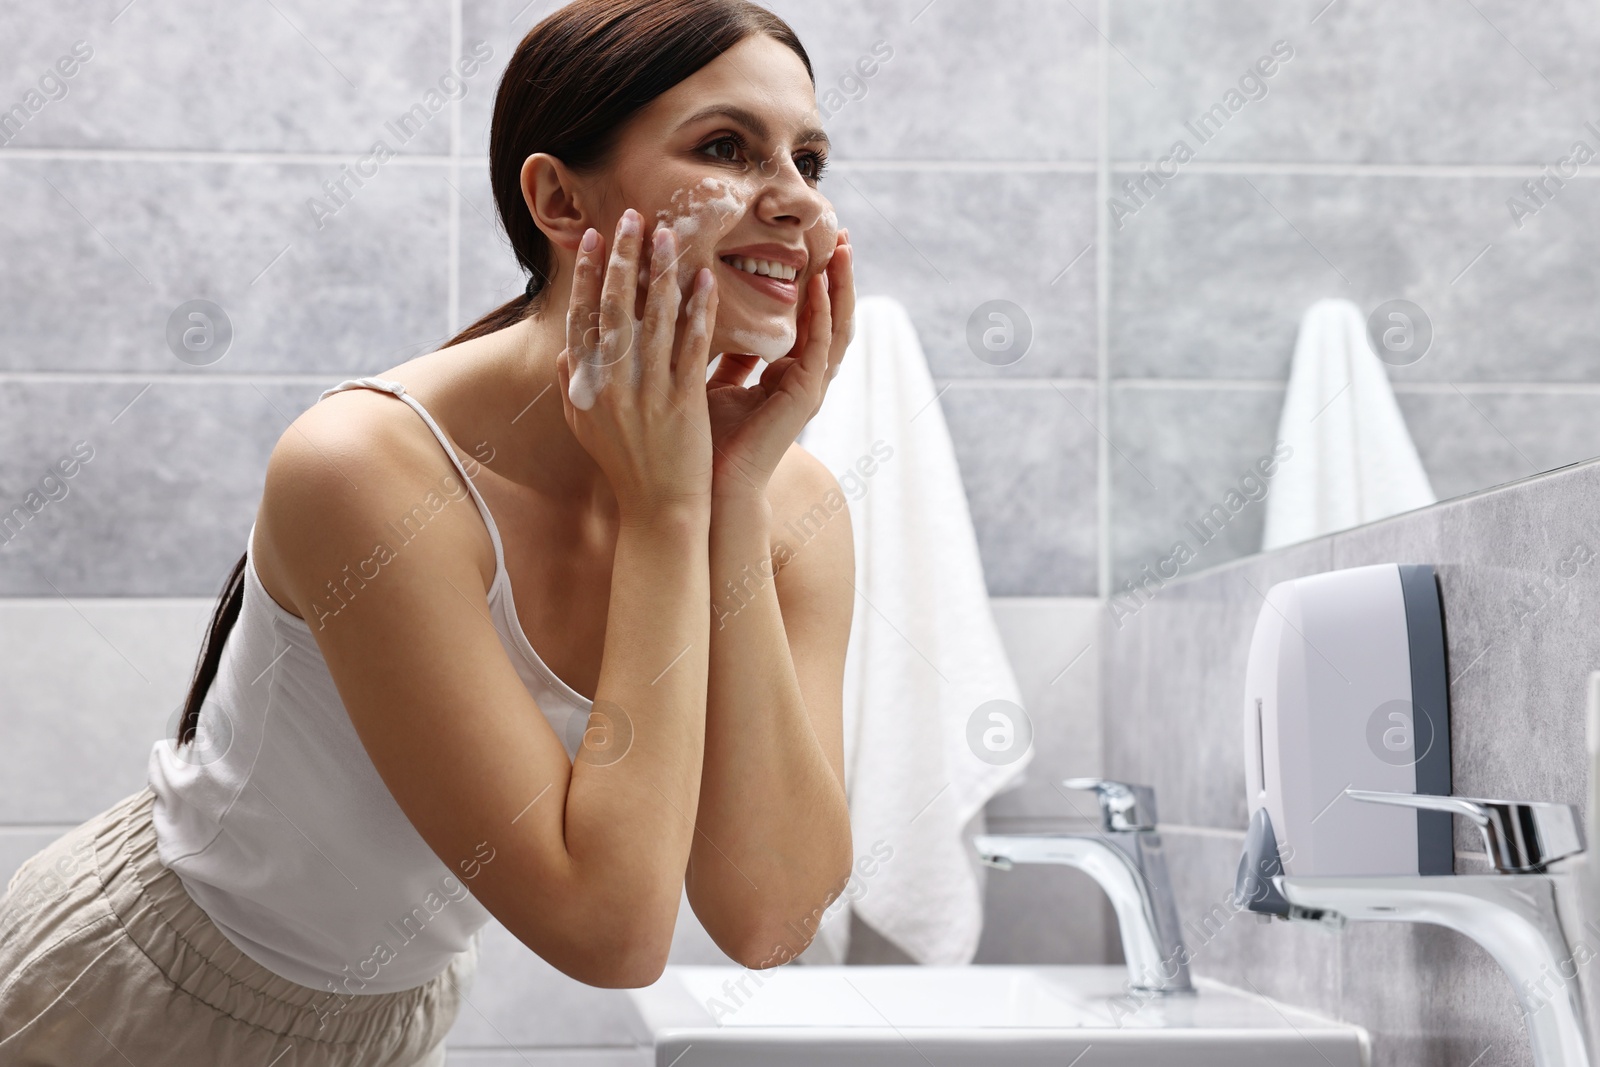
{"points": [[1102, 309], [453, 218], [1553, 387], [1040, 166]]}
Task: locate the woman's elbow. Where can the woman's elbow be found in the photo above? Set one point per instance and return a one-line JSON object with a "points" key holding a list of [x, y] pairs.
{"points": [[628, 967], [608, 953]]}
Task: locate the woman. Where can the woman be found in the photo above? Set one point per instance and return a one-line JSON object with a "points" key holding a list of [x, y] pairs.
{"points": [[384, 747]]}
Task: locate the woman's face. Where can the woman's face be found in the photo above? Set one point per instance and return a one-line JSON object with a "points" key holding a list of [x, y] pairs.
{"points": [[729, 160]]}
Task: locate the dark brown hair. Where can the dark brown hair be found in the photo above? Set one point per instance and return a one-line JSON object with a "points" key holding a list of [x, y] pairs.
{"points": [[572, 84]]}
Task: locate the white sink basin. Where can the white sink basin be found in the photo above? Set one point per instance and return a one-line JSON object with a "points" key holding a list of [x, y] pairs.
{"points": [[948, 1016]]}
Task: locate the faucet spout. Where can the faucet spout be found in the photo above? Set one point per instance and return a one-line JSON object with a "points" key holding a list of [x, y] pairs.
{"points": [[1515, 918], [1517, 914], [1126, 859]]}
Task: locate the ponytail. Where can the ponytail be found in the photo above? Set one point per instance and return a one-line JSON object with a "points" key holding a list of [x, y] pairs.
{"points": [[205, 671]]}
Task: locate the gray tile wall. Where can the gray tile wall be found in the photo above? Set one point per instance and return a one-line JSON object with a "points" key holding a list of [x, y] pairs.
{"points": [[1172, 684], [1375, 164], [181, 163], [974, 166], [182, 159]]}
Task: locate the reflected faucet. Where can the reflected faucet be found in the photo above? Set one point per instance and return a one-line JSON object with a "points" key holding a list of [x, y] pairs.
{"points": [[1125, 857], [1521, 915]]}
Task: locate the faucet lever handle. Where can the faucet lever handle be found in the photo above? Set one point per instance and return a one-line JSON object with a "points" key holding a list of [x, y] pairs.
{"points": [[1124, 807], [1520, 836]]}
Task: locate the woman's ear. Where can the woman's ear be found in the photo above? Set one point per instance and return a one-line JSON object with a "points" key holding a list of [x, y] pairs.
{"points": [[550, 190]]}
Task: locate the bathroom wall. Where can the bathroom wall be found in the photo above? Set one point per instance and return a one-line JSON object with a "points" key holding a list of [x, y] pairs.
{"points": [[1522, 638], [1377, 163], [180, 160]]}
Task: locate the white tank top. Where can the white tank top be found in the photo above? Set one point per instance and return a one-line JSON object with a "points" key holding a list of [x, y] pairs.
{"points": [[278, 825]]}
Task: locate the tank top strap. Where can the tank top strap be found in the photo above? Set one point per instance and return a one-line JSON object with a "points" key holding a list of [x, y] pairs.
{"points": [[384, 385]]}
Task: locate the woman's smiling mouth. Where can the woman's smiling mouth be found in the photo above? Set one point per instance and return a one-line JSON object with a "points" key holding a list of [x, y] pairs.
{"points": [[770, 269]]}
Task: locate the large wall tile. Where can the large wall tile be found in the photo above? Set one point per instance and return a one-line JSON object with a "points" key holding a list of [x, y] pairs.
{"points": [[1369, 82], [490, 274], [1211, 276], [101, 254], [163, 506], [90, 685], [290, 76], [1012, 82], [1177, 453], [947, 242], [1470, 440], [1467, 1010], [1043, 913], [1009, 81], [1027, 457], [1051, 643]]}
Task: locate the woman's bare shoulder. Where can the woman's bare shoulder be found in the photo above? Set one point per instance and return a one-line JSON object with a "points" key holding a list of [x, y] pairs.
{"points": [[341, 477], [810, 507]]}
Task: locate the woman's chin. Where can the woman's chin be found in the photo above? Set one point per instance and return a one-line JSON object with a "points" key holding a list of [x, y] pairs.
{"points": [[766, 345]]}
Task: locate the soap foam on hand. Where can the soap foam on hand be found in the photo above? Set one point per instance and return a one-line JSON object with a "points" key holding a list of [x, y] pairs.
{"points": [[593, 373]]}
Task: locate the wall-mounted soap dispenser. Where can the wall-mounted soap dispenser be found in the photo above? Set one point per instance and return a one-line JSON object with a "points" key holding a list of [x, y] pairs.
{"points": [[1345, 689], [1347, 756]]}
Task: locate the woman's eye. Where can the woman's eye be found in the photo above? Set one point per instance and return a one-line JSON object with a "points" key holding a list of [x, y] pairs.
{"points": [[812, 165], [729, 142]]}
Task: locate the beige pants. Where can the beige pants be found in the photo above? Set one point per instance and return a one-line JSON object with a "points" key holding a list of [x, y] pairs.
{"points": [[105, 958]]}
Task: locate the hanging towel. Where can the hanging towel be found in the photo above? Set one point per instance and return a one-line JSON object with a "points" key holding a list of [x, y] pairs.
{"points": [[924, 653], [1353, 460]]}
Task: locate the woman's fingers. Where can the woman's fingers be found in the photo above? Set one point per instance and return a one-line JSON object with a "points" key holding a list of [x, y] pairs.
{"points": [[732, 369], [842, 300], [660, 311], [582, 331], [808, 370], [694, 353], [620, 291]]}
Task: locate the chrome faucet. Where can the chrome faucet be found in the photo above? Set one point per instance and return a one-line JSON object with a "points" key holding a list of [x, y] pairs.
{"points": [[1522, 914], [1125, 857]]}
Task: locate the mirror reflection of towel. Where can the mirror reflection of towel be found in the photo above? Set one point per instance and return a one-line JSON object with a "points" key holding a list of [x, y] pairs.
{"points": [[1354, 461], [924, 652]]}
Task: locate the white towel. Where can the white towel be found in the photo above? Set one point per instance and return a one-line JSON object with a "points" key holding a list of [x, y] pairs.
{"points": [[1354, 461], [924, 651]]}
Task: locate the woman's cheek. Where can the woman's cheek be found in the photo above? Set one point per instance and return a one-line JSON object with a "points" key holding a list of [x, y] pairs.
{"points": [[700, 215]]}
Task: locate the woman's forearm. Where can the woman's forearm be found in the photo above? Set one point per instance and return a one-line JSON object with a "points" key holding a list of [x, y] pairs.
{"points": [[631, 801], [773, 819]]}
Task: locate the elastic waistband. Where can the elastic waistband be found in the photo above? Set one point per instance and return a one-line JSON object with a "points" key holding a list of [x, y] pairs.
{"points": [[188, 948]]}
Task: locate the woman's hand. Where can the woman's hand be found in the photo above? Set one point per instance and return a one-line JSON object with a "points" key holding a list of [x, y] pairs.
{"points": [[752, 426], [634, 404]]}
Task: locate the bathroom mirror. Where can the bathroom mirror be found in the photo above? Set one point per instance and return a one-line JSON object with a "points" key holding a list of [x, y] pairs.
{"points": [[1428, 167]]}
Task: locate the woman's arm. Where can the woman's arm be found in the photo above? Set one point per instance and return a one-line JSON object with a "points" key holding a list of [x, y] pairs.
{"points": [[589, 856], [773, 848], [774, 843]]}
